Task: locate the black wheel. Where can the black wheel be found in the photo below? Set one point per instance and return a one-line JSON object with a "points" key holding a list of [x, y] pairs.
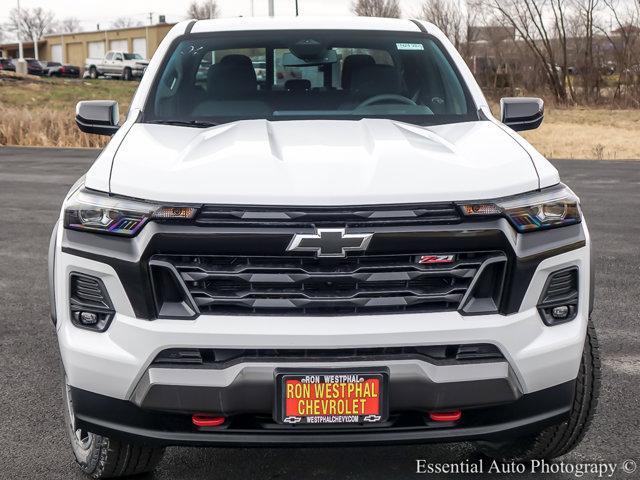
{"points": [[93, 73], [104, 457], [126, 75], [558, 440]]}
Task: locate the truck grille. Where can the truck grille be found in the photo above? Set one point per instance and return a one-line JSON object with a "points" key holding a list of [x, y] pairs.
{"points": [[358, 284]]}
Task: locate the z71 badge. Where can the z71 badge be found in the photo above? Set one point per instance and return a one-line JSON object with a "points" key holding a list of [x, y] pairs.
{"points": [[431, 259]]}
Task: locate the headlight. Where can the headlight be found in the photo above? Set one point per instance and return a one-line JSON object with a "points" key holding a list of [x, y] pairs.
{"points": [[552, 207], [91, 211]]}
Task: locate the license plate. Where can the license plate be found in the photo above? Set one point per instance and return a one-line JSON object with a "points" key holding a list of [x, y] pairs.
{"points": [[331, 397]]}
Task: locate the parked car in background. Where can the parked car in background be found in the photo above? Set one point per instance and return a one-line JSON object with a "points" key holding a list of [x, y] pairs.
{"points": [[34, 67], [57, 69], [126, 66], [7, 65]]}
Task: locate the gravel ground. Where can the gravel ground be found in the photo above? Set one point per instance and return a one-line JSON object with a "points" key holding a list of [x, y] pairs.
{"points": [[32, 442]]}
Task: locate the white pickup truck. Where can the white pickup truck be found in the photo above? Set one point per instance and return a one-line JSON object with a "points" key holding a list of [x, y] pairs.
{"points": [[126, 66], [360, 255]]}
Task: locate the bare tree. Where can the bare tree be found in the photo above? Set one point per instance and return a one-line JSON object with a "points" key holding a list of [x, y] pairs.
{"points": [[448, 16], [34, 22], [542, 26], [377, 8], [590, 72], [69, 25], [125, 22], [203, 10], [625, 41]]}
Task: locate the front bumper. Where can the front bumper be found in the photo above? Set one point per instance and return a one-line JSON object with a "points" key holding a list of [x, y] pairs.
{"points": [[112, 372]]}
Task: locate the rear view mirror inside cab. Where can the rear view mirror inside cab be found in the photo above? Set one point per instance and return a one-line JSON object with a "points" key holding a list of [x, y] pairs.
{"points": [[308, 49], [309, 53]]}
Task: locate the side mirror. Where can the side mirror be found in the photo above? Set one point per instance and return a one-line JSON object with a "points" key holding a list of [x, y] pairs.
{"points": [[98, 116], [522, 113]]}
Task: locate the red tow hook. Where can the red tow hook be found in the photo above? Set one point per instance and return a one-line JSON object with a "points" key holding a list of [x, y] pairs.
{"points": [[452, 416], [203, 420]]}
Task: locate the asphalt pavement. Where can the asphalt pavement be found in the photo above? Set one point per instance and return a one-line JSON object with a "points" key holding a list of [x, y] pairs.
{"points": [[33, 445]]}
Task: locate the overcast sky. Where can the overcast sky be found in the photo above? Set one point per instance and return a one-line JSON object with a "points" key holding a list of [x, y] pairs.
{"points": [[91, 12]]}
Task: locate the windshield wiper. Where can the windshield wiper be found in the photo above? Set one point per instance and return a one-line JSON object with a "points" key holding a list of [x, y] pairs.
{"points": [[186, 123]]}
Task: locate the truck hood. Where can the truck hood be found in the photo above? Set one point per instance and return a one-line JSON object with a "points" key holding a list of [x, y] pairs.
{"points": [[371, 161]]}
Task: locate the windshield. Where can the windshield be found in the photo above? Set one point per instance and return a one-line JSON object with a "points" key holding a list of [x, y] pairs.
{"points": [[222, 77], [132, 56]]}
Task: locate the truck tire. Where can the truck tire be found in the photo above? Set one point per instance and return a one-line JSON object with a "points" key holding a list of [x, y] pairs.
{"points": [[93, 72], [558, 440], [126, 75], [104, 457]]}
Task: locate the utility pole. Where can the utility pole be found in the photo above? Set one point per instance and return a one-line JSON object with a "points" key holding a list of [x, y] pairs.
{"points": [[21, 67], [297, 9], [150, 18], [210, 9], [253, 9], [272, 11]]}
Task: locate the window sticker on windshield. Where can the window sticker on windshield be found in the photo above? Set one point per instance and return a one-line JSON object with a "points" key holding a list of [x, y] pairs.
{"points": [[409, 46]]}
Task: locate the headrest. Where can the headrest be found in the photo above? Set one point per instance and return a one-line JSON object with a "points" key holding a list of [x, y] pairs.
{"points": [[297, 85], [372, 80], [233, 77], [238, 60], [351, 64]]}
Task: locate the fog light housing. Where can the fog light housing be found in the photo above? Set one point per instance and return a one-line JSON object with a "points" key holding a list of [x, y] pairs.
{"points": [[559, 300], [89, 302]]}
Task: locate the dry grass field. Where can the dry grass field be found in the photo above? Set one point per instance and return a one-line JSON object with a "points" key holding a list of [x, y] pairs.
{"points": [[582, 133], [40, 112]]}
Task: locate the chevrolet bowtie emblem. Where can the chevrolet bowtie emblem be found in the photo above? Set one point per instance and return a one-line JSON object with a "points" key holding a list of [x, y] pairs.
{"points": [[372, 418], [330, 242], [292, 420]]}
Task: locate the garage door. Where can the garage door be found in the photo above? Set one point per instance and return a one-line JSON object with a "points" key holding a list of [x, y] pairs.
{"points": [[140, 46], [96, 50], [75, 54], [56, 53], [119, 45]]}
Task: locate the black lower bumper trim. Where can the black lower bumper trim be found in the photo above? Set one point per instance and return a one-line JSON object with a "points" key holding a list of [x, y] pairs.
{"points": [[122, 419]]}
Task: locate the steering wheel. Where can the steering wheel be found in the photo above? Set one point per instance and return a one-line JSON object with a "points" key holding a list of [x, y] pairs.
{"points": [[386, 98]]}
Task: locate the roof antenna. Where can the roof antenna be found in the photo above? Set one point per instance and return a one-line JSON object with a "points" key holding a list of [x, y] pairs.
{"points": [[297, 10]]}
